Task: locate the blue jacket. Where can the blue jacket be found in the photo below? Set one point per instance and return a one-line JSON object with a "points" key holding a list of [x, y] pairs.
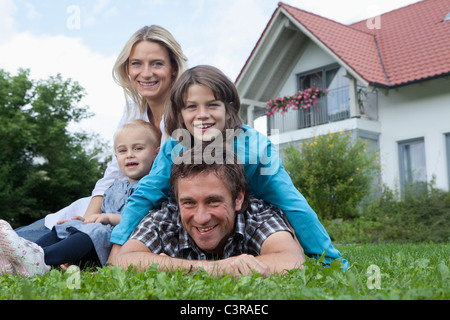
{"points": [[267, 179]]}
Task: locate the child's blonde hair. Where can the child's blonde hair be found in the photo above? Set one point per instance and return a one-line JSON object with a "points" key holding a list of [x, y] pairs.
{"points": [[139, 124], [221, 86]]}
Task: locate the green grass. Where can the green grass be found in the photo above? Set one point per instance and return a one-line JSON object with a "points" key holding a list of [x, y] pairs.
{"points": [[406, 271]]}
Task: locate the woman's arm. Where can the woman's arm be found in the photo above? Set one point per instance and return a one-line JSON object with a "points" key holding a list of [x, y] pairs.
{"points": [[105, 218], [95, 207]]}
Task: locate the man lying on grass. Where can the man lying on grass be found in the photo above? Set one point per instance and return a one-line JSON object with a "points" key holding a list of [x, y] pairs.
{"points": [[212, 224]]}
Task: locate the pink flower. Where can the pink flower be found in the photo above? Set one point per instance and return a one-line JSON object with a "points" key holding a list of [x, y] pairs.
{"points": [[302, 99]]}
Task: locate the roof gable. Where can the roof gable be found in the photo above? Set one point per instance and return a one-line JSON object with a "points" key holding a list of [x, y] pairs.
{"points": [[354, 47], [411, 44]]}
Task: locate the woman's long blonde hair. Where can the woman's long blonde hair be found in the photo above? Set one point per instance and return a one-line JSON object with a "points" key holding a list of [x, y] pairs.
{"points": [[152, 33]]}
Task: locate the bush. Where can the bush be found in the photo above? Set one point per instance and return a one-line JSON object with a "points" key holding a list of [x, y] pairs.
{"points": [[332, 173], [412, 218]]}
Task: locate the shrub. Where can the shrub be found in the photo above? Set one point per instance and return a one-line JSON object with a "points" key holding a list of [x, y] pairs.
{"points": [[412, 218], [332, 173]]}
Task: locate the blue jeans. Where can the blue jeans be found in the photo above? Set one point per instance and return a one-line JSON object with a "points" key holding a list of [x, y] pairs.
{"points": [[33, 231]]}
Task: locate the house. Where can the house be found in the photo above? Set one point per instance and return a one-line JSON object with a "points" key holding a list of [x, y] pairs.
{"points": [[388, 80]]}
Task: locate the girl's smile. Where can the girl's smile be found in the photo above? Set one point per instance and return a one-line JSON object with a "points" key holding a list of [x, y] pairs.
{"points": [[204, 126], [202, 113]]}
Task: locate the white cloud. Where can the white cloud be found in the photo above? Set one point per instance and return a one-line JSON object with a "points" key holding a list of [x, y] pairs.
{"points": [[49, 55]]}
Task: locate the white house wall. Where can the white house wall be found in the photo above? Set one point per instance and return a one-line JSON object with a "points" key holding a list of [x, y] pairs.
{"points": [[410, 112], [415, 111], [312, 58]]}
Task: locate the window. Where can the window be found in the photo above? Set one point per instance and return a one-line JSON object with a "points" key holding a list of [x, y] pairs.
{"points": [[413, 173], [336, 105]]}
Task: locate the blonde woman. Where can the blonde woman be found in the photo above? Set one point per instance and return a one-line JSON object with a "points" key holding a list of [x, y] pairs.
{"points": [[146, 69]]}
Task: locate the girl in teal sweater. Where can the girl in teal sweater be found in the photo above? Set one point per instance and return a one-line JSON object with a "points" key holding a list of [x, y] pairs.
{"points": [[204, 107]]}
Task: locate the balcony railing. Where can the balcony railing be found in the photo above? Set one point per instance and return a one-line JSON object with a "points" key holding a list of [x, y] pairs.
{"points": [[333, 107]]}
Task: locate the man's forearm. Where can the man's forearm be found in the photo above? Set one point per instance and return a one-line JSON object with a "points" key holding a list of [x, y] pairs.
{"points": [[280, 262], [239, 265], [281, 258], [114, 251]]}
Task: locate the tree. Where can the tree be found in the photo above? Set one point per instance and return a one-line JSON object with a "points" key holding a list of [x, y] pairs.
{"points": [[43, 166]]}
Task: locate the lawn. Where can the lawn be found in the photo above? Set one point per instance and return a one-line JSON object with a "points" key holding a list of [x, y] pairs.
{"points": [[384, 271]]}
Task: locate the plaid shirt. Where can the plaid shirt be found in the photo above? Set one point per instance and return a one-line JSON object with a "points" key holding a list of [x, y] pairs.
{"points": [[162, 232]]}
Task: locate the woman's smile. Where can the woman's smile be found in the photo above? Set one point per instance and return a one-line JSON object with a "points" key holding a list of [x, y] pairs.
{"points": [[148, 84]]}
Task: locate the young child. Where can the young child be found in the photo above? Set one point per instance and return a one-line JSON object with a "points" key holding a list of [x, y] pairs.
{"points": [[206, 103], [79, 239]]}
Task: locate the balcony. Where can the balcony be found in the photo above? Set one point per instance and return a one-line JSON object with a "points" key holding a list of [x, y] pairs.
{"points": [[331, 108]]}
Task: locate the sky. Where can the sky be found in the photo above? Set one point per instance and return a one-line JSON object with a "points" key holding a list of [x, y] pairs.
{"points": [[80, 39]]}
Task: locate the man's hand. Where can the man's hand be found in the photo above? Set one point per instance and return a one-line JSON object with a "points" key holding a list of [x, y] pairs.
{"points": [[243, 264]]}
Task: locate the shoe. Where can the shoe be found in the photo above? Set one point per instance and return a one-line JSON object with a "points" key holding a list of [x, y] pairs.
{"points": [[26, 257], [5, 266]]}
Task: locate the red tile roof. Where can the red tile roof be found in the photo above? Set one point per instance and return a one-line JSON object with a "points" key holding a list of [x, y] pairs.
{"points": [[412, 43]]}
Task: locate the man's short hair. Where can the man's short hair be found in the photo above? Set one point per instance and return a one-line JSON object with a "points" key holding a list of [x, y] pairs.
{"points": [[192, 162]]}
